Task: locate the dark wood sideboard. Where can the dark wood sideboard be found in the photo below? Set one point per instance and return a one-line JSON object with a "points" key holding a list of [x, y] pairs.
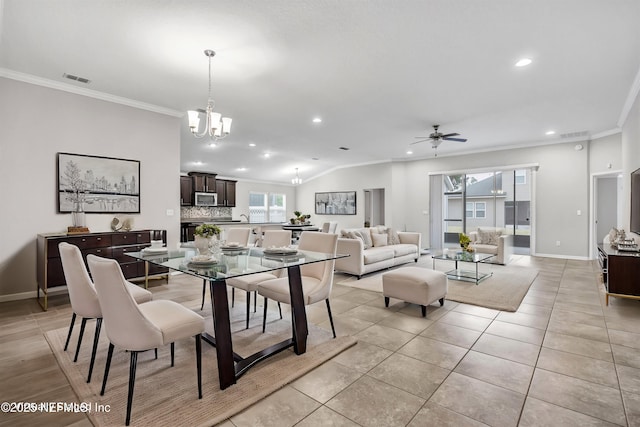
{"points": [[620, 272], [113, 245]]}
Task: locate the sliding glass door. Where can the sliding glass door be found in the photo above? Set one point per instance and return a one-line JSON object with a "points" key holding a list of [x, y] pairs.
{"points": [[499, 199]]}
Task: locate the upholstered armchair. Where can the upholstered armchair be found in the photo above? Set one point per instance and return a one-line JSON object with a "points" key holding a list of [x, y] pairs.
{"points": [[491, 240]]}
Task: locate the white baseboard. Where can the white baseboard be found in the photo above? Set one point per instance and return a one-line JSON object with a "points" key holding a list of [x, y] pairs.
{"points": [[571, 257], [20, 296]]}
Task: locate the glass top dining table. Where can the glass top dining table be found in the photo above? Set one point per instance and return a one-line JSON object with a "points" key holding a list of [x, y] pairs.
{"points": [[237, 262]]}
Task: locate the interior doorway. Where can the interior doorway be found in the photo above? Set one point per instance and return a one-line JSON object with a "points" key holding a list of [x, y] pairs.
{"points": [[373, 207], [605, 208]]}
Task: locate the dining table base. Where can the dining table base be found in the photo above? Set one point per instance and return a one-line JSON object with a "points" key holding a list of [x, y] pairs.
{"points": [[231, 365]]}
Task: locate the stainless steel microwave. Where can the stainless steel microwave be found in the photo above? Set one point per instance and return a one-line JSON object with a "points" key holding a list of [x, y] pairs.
{"points": [[206, 199]]}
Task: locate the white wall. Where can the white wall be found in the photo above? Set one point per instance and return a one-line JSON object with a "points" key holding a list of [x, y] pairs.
{"points": [[37, 123], [355, 179], [630, 154], [562, 190]]}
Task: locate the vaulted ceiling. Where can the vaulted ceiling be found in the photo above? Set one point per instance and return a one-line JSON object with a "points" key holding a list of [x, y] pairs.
{"points": [[377, 72]]}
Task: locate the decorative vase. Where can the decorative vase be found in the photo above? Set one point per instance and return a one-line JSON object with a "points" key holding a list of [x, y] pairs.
{"points": [[203, 244], [78, 219]]}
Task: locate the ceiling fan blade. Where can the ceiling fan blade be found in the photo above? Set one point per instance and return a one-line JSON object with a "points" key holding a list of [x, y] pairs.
{"points": [[422, 137], [450, 134], [455, 139], [423, 140]]}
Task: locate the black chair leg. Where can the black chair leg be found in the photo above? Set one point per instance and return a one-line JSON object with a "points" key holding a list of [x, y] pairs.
{"points": [[155, 350], [255, 301], [82, 325], [441, 302], [173, 352], [330, 317], [280, 309], [96, 337], [73, 321], [248, 307], [424, 310], [233, 296], [264, 317], [386, 301], [132, 382], [106, 369], [204, 291], [199, 364]]}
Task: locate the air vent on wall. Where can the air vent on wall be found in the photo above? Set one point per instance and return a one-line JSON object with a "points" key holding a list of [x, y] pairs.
{"points": [[574, 134], [76, 78]]}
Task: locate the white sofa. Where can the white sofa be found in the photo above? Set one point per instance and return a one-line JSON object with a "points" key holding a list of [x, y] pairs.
{"points": [[367, 256], [491, 240]]}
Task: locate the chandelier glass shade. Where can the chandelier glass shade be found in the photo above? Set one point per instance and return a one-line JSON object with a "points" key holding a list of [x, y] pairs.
{"points": [[216, 126], [296, 180]]}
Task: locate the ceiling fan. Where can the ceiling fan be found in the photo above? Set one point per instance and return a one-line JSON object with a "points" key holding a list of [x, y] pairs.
{"points": [[436, 138]]}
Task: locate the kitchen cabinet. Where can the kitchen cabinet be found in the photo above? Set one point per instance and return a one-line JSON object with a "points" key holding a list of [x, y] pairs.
{"points": [[226, 192], [203, 182], [114, 245], [186, 190]]}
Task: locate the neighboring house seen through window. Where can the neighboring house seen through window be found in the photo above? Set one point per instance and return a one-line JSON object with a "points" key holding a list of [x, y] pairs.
{"points": [[476, 210]]}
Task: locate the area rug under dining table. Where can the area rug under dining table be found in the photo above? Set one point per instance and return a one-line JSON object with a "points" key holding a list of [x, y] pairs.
{"points": [[504, 290], [166, 395]]}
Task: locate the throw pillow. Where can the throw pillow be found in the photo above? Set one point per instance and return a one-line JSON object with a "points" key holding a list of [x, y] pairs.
{"points": [[379, 239], [392, 236], [366, 237], [489, 237]]}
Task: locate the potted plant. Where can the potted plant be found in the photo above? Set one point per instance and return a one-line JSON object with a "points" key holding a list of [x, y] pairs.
{"points": [[464, 243], [203, 237]]}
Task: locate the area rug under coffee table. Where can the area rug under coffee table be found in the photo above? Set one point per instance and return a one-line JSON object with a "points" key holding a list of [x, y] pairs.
{"points": [[169, 396], [504, 290]]}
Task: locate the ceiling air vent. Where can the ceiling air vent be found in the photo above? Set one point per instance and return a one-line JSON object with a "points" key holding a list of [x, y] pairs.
{"points": [[344, 148], [76, 78], [574, 134]]}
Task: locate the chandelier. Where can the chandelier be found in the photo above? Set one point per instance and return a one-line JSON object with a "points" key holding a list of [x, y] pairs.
{"points": [[217, 127], [296, 180]]}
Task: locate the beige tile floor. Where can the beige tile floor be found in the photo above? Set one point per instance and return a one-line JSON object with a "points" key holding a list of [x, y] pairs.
{"points": [[564, 358]]}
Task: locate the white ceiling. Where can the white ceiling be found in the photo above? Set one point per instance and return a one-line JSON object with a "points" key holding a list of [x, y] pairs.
{"points": [[378, 72]]}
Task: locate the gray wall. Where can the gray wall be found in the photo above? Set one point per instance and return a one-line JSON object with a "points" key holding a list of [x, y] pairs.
{"points": [[630, 155], [37, 123]]}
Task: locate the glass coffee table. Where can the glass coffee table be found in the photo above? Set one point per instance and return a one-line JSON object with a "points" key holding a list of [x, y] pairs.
{"points": [[459, 273]]}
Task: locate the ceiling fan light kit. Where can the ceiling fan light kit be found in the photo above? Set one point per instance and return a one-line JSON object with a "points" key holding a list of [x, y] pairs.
{"points": [[436, 138], [217, 127]]}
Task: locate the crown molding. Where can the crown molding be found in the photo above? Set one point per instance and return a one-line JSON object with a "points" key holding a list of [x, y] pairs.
{"points": [[28, 78], [606, 133]]}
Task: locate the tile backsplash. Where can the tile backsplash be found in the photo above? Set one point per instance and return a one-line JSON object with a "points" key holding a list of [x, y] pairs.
{"points": [[205, 212]]}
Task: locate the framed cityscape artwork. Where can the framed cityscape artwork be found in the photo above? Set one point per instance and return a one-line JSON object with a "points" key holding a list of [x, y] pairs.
{"points": [[336, 203], [96, 184]]}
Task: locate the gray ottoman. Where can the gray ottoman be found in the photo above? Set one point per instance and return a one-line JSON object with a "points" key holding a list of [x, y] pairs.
{"points": [[415, 285]]}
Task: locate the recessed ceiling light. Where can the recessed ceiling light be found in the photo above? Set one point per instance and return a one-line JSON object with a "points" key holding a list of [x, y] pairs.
{"points": [[317, 120], [212, 144], [251, 144], [523, 62], [409, 152], [550, 132], [267, 155], [241, 169], [198, 163]]}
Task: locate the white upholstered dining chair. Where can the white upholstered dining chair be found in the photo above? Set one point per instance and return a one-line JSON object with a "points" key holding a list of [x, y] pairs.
{"points": [[272, 238], [317, 278], [84, 299], [138, 328]]}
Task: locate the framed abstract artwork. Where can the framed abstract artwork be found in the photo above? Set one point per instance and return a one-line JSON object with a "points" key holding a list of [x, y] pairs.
{"points": [[336, 203], [96, 184]]}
